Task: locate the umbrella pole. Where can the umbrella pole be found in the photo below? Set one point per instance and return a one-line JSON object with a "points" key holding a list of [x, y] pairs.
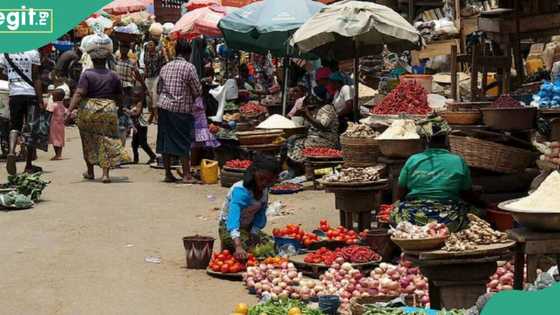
{"points": [[356, 82], [285, 85]]}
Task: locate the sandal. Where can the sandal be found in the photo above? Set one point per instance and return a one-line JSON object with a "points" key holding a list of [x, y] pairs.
{"points": [[170, 179], [88, 176]]}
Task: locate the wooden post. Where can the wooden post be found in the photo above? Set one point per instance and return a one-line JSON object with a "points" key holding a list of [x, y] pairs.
{"points": [[356, 103], [411, 11], [285, 85], [474, 73], [454, 73]]}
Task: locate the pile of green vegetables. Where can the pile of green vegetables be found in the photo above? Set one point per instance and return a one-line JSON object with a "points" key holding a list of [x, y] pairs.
{"points": [[30, 185], [264, 250], [15, 200], [283, 307]]}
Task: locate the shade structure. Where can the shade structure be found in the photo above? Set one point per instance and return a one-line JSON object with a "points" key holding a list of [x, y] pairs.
{"points": [[266, 26], [349, 28], [202, 21], [197, 4], [125, 6]]}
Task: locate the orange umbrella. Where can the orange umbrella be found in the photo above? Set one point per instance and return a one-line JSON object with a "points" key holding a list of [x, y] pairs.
{"points": [[125, 6], [202, 21]]}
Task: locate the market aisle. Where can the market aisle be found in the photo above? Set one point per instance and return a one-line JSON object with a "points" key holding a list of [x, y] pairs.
{"points": [[82, 250]]}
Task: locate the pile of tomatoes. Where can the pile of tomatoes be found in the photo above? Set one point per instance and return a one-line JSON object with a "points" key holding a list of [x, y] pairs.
{"points": [[340, 233], [224, 262], [351, 254], [239, 164], [384, 213], [275, 261], [295, 231], [322, 152], [321, 256], [252, 108]]}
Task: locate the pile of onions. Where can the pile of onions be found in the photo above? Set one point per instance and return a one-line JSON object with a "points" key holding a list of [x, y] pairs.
{"points": [[502, 279], [401, 279], [275, 282]]}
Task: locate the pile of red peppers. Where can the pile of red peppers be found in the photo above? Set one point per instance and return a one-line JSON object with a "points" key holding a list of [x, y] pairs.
{"points": [[408, 97]]}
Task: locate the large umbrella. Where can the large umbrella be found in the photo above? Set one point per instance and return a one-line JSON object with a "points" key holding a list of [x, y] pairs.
{"points": [[266, 26], [202, 21], [351, 29], [125, 6]]}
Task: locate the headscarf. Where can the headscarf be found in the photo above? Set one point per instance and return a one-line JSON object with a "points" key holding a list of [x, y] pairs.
{"points": [[433, 126]]}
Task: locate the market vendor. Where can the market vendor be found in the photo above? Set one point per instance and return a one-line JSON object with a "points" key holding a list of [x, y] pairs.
{"points": [[322, 122], [244, 212], [434, 185], [343, 99]]}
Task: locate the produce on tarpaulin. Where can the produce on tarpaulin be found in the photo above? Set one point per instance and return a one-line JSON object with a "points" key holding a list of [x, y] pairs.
{"points": [[239, 164], [224, 262], [273, 281], [322, 152], [408, 97]]}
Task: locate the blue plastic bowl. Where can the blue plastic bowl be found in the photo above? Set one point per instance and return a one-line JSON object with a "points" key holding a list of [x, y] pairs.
{"points": [[280, 242]]}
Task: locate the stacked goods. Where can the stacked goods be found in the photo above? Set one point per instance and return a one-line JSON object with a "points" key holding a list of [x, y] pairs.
{"points": [[322, 153], [252, 109], [351, 254], [359, 131], [502, 279], [295, 232], [394, 280], [544, 199], [224, 262], [506, 101], [282, 307], [548, 96], [355, 175], [479, 232], [400, 129], [238, 164], [408, 97], [407, 230], [274, 282], [340, 233]]}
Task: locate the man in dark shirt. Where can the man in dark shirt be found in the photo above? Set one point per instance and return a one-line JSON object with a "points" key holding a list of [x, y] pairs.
{"points": [[66, 59]]}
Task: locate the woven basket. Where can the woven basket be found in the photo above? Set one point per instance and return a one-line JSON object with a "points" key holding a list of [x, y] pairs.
{"points": [[359, 152], [358, 305], [400, 148], [462, 118], [491, 156]]}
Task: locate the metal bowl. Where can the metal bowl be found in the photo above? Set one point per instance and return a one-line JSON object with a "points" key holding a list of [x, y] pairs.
{"points": [[536, 220]]}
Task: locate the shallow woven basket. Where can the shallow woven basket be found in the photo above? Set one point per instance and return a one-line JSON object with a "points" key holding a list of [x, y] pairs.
{"points": [[359, 152], [358, 305], [462, 118], [492, 156]]}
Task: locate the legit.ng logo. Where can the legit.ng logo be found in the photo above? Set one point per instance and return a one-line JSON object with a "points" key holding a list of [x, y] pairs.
{"points": [[26, 20]]}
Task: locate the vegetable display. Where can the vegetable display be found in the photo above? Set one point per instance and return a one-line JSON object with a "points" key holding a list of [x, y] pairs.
{"points": [[322, 152], [286, 187], [502, 279], [273, 282], [264, 250], [283, 307], [400, 129], [352, 254], [30, 185], [252, 108], [479, 232], [274, 261], [384, 212], [239, 164], [506, 101], [340, 233], [296, 232], [355, 130], [407, 230], [224, 262], [408, 97], [355, 175]]}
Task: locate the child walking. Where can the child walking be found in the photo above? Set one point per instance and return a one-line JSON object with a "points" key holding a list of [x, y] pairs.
{"points": [[203, 137], [56, 132], [140, 127]]}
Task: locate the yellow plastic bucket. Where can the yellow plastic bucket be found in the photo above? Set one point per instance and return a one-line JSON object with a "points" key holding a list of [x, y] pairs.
{"points": [[209, 171]]}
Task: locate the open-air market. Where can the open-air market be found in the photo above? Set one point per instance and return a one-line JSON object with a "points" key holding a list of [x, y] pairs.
{"points": [[283, 157]]}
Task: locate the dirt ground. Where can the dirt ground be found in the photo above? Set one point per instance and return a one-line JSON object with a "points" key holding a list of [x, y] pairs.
{"points": [[82, 250]]}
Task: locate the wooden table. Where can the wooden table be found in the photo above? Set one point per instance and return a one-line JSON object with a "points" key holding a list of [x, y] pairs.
{"points": [[457, 279], [357, 202], [312, 165], [533, 244], [394, 167]]}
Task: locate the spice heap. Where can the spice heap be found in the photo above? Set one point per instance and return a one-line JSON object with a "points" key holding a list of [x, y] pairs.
{"points": [[479, 232], [407, 98], [544, 199], [322, 152], [356, 175], [359, 131], [252, 108], [400, 129], [506, 101], [239, 164], [407, 230]]}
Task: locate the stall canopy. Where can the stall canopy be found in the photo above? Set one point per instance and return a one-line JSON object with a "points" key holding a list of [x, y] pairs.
{"points": [[202, 21], [266, 26], [125, 6], [351, 29]]}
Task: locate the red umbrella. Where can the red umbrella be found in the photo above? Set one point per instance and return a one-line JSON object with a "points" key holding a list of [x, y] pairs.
{"points": [[203, 21], [125, 6], [197, 4]]}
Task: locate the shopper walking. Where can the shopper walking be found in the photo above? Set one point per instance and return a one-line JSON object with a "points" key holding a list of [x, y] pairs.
{"points": [[154, 60], [178, 87]]}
